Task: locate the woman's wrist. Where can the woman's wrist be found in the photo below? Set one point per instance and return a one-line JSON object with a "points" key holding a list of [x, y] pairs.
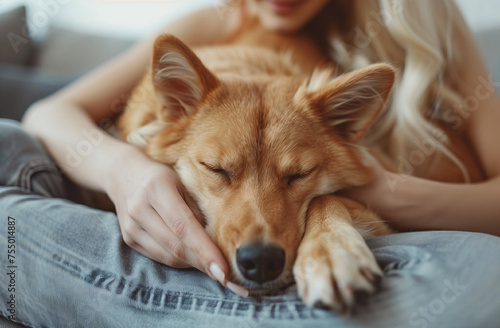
{"points": [[121, 156], [409, 203]]}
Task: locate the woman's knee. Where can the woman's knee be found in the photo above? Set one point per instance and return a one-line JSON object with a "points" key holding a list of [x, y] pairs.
{"points": [[18, 147], [13, 138], [16, 142], [23, 158], [9, 127]]}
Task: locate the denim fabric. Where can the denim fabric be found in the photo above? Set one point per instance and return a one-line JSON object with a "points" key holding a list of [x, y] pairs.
{"points": [[73, 269]]}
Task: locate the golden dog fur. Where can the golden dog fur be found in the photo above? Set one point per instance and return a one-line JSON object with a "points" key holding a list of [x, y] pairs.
{"points": [[262, 137]]}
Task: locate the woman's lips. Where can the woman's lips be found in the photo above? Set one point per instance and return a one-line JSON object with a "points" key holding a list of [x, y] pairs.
{"points": [[283, 7]]}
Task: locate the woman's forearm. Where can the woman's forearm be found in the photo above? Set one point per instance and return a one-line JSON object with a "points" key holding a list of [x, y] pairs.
{"points": [[419, 204], [83, 151]]}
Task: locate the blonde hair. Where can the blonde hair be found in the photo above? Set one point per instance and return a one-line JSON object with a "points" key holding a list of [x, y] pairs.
{"points": [[417, 37]]}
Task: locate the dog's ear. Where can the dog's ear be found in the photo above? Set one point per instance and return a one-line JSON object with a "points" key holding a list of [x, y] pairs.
{"points": [[179, 77], [350, 103]]}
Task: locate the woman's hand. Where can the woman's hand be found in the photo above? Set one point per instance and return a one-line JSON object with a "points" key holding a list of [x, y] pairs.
{"points": [[411, 203], [387, 195], [159, 219]]}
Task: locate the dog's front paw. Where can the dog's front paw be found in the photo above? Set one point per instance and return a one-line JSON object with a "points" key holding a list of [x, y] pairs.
{"points": [[334, 268]]}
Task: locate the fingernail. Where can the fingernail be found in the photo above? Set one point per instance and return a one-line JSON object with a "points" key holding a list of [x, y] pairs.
{"points": [[237, 289], [217, 272]]}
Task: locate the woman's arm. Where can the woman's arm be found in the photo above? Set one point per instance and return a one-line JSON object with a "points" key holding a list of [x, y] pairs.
{"points": [[63, 120], [157, 218], [483, 106], [412, 203]]}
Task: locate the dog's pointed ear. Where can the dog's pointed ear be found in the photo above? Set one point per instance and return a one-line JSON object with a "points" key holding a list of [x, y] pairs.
{"points": [[179, 77], [352, 102]]}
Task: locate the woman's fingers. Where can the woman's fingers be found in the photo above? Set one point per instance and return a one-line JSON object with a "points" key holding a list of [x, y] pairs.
{"points": [[140, 240], [185, 226], [161, 221], [154, 226]]}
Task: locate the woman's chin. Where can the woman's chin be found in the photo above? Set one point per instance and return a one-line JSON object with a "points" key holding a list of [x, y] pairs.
{"points": [[281, 25]]}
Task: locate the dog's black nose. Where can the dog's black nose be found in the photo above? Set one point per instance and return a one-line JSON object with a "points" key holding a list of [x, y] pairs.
{"points": [[260, 262]]}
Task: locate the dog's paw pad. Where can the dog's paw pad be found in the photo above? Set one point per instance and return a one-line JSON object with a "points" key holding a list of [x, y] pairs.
{"points": [[336, 275]]}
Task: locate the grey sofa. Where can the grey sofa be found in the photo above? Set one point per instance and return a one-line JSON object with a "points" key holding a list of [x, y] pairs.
{"points": [[31, 70], [38, 69]]}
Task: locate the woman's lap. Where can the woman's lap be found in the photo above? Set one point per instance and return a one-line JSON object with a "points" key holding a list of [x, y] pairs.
{"points": [[72, 269]]}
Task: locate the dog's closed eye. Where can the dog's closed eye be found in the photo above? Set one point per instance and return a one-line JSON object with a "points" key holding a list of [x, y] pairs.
{"points": [[294, 177], [291, 178], [218, 171]]}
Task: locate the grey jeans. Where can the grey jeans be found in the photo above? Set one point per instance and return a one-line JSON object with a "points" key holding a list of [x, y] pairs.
{"points": [[68, 267]]}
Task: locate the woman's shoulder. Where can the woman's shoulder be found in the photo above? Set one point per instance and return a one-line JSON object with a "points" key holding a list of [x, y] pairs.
{"points": [[210, 25]]}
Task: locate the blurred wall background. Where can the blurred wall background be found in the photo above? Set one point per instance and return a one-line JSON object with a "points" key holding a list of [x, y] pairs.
{"points": [[119, 18], [137, 18]]}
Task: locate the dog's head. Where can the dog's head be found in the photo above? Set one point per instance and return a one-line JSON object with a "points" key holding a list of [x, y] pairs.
{"points": [[254, 151]]}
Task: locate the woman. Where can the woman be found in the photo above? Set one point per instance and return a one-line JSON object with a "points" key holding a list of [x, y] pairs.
{"points": [[89, 277]]}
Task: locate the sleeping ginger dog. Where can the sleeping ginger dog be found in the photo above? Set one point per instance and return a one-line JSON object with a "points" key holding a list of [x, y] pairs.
{"points": [[255, 140], [261, 143]]}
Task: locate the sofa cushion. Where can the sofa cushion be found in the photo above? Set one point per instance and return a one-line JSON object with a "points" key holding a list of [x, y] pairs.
{"points": [[15, 42], [70, 52], [22, 86]]}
